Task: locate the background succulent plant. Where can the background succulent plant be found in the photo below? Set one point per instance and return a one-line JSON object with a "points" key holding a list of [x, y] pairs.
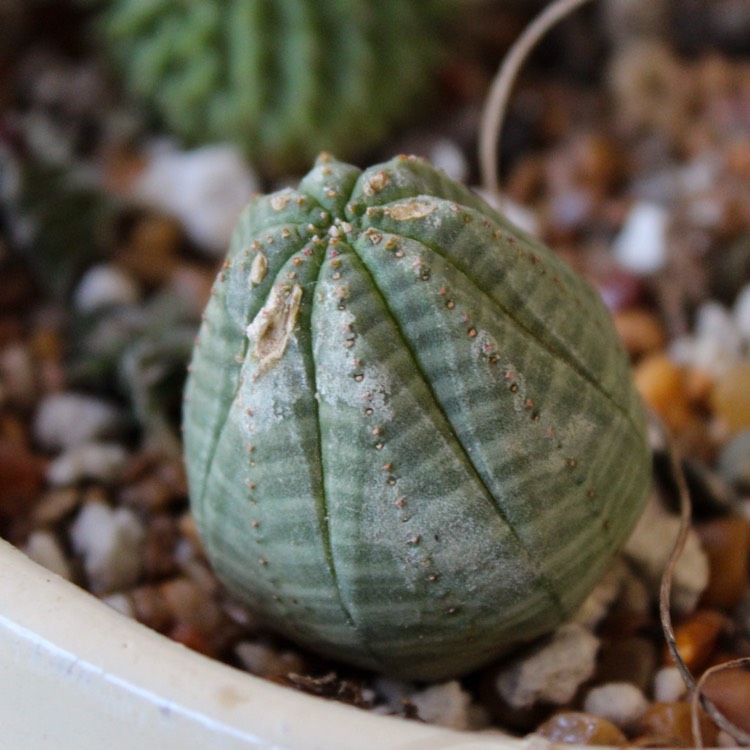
{"points": [[282, 78], [411, 434]]}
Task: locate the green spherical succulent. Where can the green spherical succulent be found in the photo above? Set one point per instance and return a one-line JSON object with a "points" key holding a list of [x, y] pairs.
{"points": [[411, 432], [282, 78]]}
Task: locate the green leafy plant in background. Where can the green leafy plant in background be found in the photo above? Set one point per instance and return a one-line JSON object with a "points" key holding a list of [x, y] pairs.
{"points": [[411, 434], [284, 79], [138, 352]]}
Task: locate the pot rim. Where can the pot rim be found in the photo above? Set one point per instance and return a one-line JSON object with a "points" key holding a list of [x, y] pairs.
{"points": [[78, 674]]}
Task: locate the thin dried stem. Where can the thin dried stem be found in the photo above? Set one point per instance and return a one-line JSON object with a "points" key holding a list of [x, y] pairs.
{"points": [[738, 734], [694, 688], [497, 100]]}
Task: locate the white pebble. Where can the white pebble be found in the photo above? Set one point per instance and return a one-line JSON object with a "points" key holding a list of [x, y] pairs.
{"points": [[446, 155], [393, 692], [641, 245], [98, 461], [669, 685], [122, 603], [598, 602], [445, 705], [620, 702], [716, 343], [110, 542], [205, 189], [264, 661], [64, 420], [44, 548], [741, 313], [519, 215], [553, 671], [105, 285], [649, 548]]}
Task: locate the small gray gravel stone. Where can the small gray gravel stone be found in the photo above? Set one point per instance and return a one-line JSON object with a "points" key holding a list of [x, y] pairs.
{"points": [[44, 548], [63, 420], [649, 547], [98, 461], [668, 685], [110, 542], [551, 672], [620, 702], [103, 286], [445, 705]]}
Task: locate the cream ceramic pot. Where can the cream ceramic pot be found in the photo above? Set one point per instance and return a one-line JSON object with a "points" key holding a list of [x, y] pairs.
{"points": [[77, 675]]}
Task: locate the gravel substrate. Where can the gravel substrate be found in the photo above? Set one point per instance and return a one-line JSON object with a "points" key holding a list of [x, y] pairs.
{"points": [[631, 158]]}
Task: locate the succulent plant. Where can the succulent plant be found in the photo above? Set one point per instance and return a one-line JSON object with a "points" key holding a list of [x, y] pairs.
{"points": [[411, 433], [282, 78]]}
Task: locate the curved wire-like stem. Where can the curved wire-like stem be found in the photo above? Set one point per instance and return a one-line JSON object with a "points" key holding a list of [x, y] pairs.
{"points": [[683, 493], [737, 734], [499, 94]]}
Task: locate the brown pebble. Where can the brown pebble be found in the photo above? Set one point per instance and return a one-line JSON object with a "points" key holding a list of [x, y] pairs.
{"points": [[152, 608], [696, 638], [631, 659], [597, 162], [189, 531], [192, 637], [16, 288], [640, 330], [671, 723], [54, 505], [730, 398], [726, 542], [729, 691], [150, 253], [526, 179], [162, 537], [21, 479], [578, 728], [149, 493], [190, 605]]}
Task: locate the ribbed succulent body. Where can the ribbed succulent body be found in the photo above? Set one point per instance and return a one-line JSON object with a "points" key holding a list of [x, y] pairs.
{"points": [[411, 433], [282, 78]]}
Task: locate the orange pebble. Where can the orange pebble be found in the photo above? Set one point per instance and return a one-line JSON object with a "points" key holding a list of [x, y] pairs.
{"points": [[672, 723], [726, 542], [729, 691], [662, 385], [730, 398], [193, 638], [577, 728], [696, 638]]}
